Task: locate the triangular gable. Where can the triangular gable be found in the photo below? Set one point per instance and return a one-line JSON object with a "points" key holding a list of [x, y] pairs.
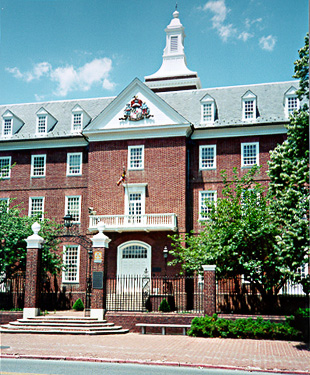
{"points": [[113, 117]]}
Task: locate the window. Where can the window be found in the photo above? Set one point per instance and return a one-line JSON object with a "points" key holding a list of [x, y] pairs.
{"points": [[73, 207], [42, 122], [134, 252], [135, 202], [74, 164], [207, 109], [77, 122], [4, 202], [249, 106], [204, 197], [249, 154], [71, 259], [38, 165], [7, 127], [36, 207], [174, 44], [135, 157], [5, 167], [207, 112], [292, 104], [207, 157]]}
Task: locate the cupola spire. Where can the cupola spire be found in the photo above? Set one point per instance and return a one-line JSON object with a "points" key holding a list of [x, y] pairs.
{"points": [[173, 73]]}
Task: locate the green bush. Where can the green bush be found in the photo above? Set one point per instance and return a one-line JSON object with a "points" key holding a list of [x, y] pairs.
{"points": [[164, 306], [78, 305], [212, 326]]}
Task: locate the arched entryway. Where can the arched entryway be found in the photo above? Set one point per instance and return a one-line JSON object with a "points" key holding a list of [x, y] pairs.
{"points": [[133, 257]]}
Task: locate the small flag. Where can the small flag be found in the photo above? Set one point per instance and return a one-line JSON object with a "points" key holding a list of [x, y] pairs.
{"points": [[122, 179]]}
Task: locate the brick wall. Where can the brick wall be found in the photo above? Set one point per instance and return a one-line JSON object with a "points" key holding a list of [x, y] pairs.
{"points": [[10, 316]]}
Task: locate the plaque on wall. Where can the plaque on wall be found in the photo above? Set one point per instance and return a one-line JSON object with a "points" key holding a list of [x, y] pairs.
{"points": [[98, 257], [97, 280]]}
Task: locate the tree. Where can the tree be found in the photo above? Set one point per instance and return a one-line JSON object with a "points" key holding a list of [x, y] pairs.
{"points": [[289, 178], [238, 236], [14, 229]]}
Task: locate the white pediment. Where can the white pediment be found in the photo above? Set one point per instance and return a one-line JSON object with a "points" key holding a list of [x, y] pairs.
{"points": [[157, 112]]}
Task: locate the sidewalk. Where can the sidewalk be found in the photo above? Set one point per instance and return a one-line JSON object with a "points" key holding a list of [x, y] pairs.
{"points": [[288, 357]]}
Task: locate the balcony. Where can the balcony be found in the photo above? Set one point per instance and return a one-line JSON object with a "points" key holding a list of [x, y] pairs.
{"points": [[134, 223]]}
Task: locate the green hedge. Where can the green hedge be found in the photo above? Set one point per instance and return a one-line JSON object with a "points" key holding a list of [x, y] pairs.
{"points": [[78, 305], [212, 326]]}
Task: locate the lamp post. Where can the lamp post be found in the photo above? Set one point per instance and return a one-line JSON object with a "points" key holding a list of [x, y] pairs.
{"points": [[165, 253]]}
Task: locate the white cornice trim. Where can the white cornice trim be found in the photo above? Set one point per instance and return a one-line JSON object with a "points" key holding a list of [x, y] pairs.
{"points": [[240, 131], [43, 143], [144, 132]]}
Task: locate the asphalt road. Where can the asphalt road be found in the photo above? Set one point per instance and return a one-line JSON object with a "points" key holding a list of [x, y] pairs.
{"points": [[51, 367]]}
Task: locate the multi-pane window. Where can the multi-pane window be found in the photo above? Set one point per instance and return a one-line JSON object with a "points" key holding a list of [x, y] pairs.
{"points": [[42, 122], [174, 44], [74, 164], [249, 154], [77, 121], [7, 127], [207, 157], [292, 104], [36, 207], [73, 207], [207, 114], [249, 107], [71, 259], [38, 165], [134, 252], [204, 197], [135, 207], [135, 157], [5, 167]]}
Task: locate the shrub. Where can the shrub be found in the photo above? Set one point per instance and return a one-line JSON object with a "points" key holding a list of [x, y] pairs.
{"points": [[78, 305], [164, 306], [212, 326]]}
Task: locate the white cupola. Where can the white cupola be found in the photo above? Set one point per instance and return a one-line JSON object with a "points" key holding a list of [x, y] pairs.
{"points": [[173, 73]]}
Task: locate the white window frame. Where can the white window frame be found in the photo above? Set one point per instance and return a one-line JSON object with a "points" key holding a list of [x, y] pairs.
{"points": [[288, 113], [69, 154], [77, 277], [201, 148], [39, 118], [130, 148], [67, 211], [10, 132], [33, 171], [9, 158], [79, 113], [249, 97], [207, 100], [30, 212], [243, 145], [135, 189], [202, 204]]}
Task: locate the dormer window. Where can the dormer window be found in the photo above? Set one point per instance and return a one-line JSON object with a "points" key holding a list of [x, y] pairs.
{"points": [[207, 109], [291, 102], [80, 119], [42, 124], [249, 106], [10, 124]]}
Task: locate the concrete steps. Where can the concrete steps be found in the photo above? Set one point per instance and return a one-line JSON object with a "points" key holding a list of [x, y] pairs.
{"points": [[62, 325]]}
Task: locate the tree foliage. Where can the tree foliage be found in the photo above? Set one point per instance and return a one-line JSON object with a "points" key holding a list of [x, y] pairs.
{"points": [[14, 229]]}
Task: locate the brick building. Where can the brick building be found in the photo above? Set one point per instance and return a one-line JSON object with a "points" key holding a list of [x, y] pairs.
{"points": [[171, 136]]}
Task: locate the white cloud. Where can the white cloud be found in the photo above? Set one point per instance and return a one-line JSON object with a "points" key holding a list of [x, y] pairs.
{"points": [[245, 36], [267, 42], [69, 78], [220, 11]]}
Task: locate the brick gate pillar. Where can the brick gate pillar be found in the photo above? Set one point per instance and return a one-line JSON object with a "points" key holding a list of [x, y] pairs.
{"points": [[33, 273], [209, 290], [100, 243]]}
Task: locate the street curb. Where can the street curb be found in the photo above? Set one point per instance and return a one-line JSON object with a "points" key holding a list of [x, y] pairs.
{"points": [[154, 363]]}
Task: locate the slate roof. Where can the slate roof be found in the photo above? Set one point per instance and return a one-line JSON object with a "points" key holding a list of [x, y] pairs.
{"points": [[228, 100]]}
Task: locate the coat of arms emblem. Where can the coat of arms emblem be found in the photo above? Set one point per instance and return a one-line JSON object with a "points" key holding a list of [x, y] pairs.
{"points": [[136, 110]]}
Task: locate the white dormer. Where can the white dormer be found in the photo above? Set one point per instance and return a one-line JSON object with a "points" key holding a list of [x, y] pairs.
{"points": [[80, 119], [291, 101], [45, 121], [208, 109], [173, 73], [249, 104], [10, 124]]}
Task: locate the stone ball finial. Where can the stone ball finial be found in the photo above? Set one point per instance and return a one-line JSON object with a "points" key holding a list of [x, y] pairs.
{"points": [[101, 226], [36, 227], [176, 14]]}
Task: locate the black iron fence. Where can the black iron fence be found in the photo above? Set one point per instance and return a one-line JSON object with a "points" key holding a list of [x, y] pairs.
{"points": [[12, 292], [239, 296], [144, 293]]}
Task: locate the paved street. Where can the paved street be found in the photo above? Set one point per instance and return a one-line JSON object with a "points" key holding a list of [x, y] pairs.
{"points": [[290, 357]]}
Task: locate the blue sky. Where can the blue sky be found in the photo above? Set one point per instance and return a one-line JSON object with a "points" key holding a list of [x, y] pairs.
{"points": [[71, 49]]}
